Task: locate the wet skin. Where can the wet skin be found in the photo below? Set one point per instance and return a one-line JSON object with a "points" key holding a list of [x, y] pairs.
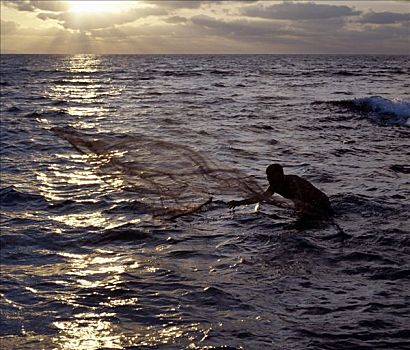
{"points": [[307, 199]]}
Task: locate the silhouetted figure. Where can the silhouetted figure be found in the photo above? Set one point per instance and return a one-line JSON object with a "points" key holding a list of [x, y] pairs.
{"points": [[307, 199]]}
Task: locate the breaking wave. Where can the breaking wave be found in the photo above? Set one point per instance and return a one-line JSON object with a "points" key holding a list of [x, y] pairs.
{"points": [[381, 110]]}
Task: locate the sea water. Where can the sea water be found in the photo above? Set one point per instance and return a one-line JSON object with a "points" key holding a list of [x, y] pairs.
{"points": [[83, 268]]}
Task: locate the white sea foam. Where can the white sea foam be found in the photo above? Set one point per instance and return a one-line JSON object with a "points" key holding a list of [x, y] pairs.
{"points": [[385, 110]]}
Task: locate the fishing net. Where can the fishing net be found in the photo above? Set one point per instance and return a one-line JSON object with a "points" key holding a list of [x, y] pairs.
{"points": [[167, 178]]}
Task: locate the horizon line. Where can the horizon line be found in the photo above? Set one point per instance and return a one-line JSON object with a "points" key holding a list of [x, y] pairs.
{"points": [[210, 53]]}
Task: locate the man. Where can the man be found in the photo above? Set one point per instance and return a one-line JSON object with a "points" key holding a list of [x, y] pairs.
{"points": [[306, 198]]}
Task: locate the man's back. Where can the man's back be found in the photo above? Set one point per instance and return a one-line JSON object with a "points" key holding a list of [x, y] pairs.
{"points": [[302, 192], [308, 200]]}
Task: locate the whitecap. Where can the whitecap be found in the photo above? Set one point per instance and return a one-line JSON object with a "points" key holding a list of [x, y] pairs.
{"points": [[384, 110]]}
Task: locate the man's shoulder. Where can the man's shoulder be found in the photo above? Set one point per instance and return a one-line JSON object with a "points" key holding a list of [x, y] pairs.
{"points": [[296, 180]]}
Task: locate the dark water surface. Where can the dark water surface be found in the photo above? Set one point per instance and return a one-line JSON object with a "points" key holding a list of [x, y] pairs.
{"points": [[81, 268]]}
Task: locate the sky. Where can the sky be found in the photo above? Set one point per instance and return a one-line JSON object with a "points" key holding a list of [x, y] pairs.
{"points": [[189, 27]]}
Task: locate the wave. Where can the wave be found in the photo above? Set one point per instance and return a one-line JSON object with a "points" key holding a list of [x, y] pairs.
{"points": [[220, 72], [325, 72], [59, 103], [357, 204], [14, 109], [146, 78], [348, 73], [398, 168], [10, 196], [381, 110], [180, 74], [74, 82], [47, 114]]}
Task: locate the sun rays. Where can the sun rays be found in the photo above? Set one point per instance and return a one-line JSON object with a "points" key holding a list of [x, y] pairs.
{"points": [[144, 26], [79, 6]]}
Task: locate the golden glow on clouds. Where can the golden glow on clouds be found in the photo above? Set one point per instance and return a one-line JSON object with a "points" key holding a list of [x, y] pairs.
{"points": [[143, 26], [97, 6]]}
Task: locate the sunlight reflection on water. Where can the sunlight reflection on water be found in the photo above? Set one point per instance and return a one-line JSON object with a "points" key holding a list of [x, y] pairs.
{"points": [[87, 63], [91, 331], [250, 279], [83, 88], [88, 332], [103, 270]]}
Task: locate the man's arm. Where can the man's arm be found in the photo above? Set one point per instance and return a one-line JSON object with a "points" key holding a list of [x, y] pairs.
{"points": [[252, 200], [281, 202]]}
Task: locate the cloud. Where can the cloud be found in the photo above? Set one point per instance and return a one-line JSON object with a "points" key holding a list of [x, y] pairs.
{"points": [[23, 5], [205, 26], [13, 29], [315, 29], [384, 17], [54, 6], [200, 26], [192, 4], [238, 27], [261, 34], [31, 5], [381, 40], [306, 36], [176, 19], [297, 11], [8, 27], [88, 21], [178, 4]]}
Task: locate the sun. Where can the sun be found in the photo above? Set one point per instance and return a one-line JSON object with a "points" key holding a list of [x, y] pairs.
{"points": [[94, 6]]}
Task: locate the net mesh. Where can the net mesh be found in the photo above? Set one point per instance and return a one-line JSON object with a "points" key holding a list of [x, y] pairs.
{"points": [[167, 178]]}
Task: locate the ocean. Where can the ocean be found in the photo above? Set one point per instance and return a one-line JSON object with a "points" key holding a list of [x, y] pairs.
{"points": [[86, 261]]}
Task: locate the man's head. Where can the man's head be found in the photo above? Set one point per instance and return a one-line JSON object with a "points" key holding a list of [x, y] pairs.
{"points": [[275, 175]]}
